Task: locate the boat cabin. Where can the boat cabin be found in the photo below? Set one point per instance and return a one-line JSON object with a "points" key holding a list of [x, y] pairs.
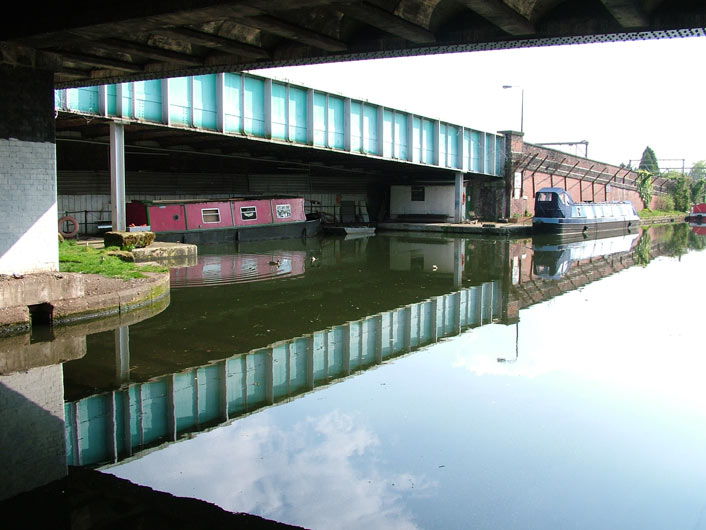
{"points": [[553, 202]]}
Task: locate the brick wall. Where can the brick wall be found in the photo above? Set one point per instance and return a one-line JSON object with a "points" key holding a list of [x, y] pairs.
{"points": [[585, 179], [28, 227], [32, 438]]}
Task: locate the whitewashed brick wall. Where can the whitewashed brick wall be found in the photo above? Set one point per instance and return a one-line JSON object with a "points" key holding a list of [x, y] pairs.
{"points": [[28, 213], [32, 438]]}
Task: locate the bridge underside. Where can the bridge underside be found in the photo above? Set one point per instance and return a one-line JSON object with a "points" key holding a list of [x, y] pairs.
{"points": [[96, 43]]}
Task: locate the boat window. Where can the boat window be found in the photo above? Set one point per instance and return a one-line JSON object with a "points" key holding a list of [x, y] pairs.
{"points": [[544, 197], [283, 211], [248, 213], [211, 215], [418, 193], [562, 198]]}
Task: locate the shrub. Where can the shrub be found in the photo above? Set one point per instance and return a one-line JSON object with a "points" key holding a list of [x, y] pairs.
{"points": [[664, 203]]}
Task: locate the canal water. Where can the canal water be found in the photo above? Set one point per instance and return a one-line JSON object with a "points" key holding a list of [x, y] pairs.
{"points": [[409, 381]]}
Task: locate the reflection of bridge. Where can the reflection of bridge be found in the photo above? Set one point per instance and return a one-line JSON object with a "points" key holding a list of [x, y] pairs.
{"points": [[110, 426]]}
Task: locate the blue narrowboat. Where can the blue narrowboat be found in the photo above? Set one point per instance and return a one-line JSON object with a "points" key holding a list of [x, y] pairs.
{"points": [[555, 212]]}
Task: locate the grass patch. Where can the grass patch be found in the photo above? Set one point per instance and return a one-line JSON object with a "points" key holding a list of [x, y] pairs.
{"points": [[646, 213], [88, 260]]}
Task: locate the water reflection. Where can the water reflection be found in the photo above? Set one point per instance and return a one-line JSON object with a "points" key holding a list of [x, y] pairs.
{"points": [[284, 390]]}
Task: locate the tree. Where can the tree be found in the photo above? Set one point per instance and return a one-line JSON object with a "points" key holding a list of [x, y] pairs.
{"points": [[699, 170], [681, 193], [645, 187], [648, 162]]}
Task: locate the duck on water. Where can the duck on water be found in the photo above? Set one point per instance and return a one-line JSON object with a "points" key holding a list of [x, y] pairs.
{"points": [[555, 212]]}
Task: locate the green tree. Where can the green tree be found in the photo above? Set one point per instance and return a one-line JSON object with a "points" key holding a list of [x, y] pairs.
{"points": [[698, 190], [698, 171], [645, 186], [681, 193], [648, 162]]}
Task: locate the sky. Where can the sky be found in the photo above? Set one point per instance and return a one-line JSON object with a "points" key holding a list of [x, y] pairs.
{"points": [[620, 97]]}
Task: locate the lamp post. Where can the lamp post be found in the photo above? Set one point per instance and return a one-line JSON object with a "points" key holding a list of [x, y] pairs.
{"points": [[522, 106]]}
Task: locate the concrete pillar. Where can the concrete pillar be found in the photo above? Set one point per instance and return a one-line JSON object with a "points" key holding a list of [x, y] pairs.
{"points": [[117, 175], [28, 210], [458, 197], [122, 355]]}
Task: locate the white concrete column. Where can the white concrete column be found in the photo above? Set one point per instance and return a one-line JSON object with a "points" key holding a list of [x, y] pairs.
{"points": [[117, 175], [103, 100], [458, 197]]}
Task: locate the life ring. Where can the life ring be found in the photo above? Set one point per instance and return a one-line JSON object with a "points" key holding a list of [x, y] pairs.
{"points": [[68, 219]]}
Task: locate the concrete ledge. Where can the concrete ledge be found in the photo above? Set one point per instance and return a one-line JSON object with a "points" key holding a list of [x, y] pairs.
{"points": [[664, 219], [99, 297], [499, 229], [162, 250]]}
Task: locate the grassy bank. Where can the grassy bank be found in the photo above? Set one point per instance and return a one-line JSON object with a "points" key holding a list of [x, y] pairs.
{"points": [[647, 214], [78, 258]]}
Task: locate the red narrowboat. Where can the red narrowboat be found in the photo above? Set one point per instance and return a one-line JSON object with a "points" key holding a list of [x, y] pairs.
{"points": [[224, 220]]}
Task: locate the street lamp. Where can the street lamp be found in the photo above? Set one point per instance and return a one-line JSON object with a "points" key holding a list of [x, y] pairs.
{"points": [[522, 106]]}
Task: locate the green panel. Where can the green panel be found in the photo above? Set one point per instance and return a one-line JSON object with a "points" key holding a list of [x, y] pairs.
{"points": [[279, 111], [256, 367], [452, 146], [69, 431], [354, 346], [401, 141], [235, 385], [489, 153], [94, 428], [184, 393], [336, 127], [231, 103], [127, 100], [370, 129], [298, 364], [466, 149], [386, 330], [442, 145], [500, 156], [148, 100], [387, 133], [112, 97], [369, 342], [297, 115], [320, 119], [427, 142], [254, 110], [417, 142], [205, 102], [356, 127], [83, 99], [180, 101], [426, 318], [475, 151], [280, 383], [154, 411], [320, 362], [209, 378]]}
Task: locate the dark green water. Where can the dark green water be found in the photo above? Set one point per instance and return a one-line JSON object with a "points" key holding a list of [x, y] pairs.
{"points": [[403, 381]]}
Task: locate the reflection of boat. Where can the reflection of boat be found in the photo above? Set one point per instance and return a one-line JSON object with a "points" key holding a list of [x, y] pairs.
{"points": [[345, 230], [239, 268], [698, 228], [224, 220], [552, 260], [557, 213], [698, 214]]}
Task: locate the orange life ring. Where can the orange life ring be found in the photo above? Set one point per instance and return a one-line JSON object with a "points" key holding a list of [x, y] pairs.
{"points": [[68, 219]]}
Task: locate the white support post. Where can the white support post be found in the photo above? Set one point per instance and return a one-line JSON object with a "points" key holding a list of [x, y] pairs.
{"points": [[268, 108], [117, 175], [458, 196], [220, 107]]}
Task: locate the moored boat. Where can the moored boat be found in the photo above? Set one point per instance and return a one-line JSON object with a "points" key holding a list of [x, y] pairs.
{"points": [[556, 213], [698, 214], [224, 220]]}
